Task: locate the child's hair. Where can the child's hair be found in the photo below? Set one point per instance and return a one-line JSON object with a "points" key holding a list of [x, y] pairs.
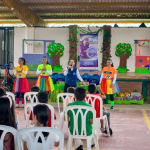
{"points": [[35, 89], [112, 65], [23, 59], [47, 59], [7, 116], [2, 92], [70, 90], [91, 88], [43, 97], [42, 114], [80, 93]]}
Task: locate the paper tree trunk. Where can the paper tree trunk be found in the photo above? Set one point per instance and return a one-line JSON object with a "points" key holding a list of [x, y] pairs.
{"points": [[56, 60]]}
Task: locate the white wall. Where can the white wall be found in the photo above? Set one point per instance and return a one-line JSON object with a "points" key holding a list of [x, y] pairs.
{"points": [[127, 35], [61, 35]]}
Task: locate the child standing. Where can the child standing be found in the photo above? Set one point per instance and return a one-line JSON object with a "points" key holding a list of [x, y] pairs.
{"points": [[21, 84]]}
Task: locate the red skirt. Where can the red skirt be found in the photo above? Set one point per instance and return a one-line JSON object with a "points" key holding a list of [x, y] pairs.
{"points": [[21, 85]]}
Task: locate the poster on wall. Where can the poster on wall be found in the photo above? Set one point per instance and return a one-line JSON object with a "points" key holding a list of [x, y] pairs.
{"points": [[89, 52]]}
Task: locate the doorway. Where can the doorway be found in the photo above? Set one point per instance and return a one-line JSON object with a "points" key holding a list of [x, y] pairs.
{"points": [[6, 45]]}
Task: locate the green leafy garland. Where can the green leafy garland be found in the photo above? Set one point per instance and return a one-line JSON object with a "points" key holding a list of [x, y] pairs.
{"points": [[136, 41], [106, 36], [76, 41], [32, 42]]}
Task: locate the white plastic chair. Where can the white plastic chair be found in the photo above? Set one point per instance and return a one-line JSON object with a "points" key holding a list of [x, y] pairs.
{"points": [[5, 130], [64, 96], [13, 98], [31, 105], [92, 98], [46, 144], [83, 128], [30, 94]]}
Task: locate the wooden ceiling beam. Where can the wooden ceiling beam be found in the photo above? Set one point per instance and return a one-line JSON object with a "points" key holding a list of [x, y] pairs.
{"points": [[92, 11], [82, 11], [105, 4], [24, 13]]}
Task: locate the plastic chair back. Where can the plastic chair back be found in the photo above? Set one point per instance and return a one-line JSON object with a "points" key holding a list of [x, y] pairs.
{"points": [[31, 96], [5, 130], [55, 75], [83, 118], [86, 77], [32, 141], [95, 79], [53, 78], [61, 77], [31, 105], [64, 96], [10, 94], [92, 98]]}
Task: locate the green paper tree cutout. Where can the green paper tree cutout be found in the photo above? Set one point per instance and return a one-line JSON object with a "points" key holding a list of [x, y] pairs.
{"points": [[123, 51], [55, 51]]}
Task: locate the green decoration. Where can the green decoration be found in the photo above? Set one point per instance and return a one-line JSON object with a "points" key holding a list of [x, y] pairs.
{"points": [[123, 52], [55, 51], [136, 41], [32, 42], [57, 68]]}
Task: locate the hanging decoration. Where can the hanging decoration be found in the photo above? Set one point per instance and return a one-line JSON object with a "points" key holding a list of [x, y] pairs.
{"points": [[136, 41], [89, 31], [32, 42]]}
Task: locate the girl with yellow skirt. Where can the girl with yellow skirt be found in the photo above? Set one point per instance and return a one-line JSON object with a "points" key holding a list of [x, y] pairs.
{"points": [[108, 81], [44, 81]]}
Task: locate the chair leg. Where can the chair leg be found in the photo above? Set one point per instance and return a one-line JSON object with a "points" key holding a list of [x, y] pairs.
{"points": [[107, 127], [97, 127], [96, 142], [69, 143], [89, 138], [61, 121]]}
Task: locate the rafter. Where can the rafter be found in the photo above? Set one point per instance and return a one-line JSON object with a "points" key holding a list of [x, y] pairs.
{"points": [[91, 4], [92, 11], [24, 13]]}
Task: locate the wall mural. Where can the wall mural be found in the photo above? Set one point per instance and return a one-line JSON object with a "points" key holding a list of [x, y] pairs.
{"points": [[123, 52]]}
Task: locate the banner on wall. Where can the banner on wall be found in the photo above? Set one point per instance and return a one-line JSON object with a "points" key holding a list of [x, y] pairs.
{"points": [[89, 52]]}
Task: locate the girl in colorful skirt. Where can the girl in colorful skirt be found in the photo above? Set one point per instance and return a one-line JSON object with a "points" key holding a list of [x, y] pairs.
{"points": [[44, 81], [108, 81], [21, 84]]}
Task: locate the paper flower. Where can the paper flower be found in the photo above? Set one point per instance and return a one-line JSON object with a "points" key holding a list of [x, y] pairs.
{"points": [[140, 60]]}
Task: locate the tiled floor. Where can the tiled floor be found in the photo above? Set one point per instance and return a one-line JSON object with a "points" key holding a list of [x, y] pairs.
{"points": [[130, 125]]}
